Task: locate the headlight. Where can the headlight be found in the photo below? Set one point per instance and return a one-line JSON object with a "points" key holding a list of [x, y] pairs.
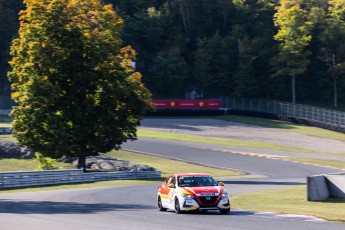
{"points": [[224, 196], [187, 196]]}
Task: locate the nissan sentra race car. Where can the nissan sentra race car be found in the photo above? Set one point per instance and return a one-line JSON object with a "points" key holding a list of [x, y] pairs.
{"points": [[192, 192]]}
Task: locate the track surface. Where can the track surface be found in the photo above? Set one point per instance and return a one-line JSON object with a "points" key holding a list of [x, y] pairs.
{"points": [[134, 207]]}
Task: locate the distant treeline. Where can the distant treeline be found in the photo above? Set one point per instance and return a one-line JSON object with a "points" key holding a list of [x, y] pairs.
{"points": [[284, 50]]}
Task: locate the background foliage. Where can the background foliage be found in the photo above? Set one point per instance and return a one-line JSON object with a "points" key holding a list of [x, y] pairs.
{"points": [[225, 47]]}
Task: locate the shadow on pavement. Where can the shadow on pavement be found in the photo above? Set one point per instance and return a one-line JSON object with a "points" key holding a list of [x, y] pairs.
{"points": [[52, 207], [264, 182]]}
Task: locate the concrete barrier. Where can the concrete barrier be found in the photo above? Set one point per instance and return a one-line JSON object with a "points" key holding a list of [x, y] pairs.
{"points": [[317, 188], [321, 187], [336, 184]]}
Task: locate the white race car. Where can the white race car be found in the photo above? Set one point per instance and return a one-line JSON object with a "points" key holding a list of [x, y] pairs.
{"points": [[192, 192]]}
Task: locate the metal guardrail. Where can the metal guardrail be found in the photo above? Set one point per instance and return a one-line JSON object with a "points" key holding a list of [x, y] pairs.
{"points": [[55, 177], [298, 111]]}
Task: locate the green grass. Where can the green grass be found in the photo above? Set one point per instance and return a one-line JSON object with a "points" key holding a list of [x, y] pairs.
{"points": [[7, 137], [167, 166], [8, 165], [330, 163], [308, 130], [290, 200], [219, 141], [5, 121]]}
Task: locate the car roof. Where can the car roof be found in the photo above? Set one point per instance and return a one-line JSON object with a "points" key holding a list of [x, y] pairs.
{"points": [[191, 174]]}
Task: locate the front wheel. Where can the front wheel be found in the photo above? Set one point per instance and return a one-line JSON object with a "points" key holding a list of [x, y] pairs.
{"points": [[177, 206], [224, 211], [160, 206]]}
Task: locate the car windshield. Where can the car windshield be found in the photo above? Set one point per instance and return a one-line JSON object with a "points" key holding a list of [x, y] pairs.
{"points": [[196, 181]]}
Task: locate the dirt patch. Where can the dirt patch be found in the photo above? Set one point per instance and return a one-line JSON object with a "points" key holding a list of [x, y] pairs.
{"points": [[235, 130]]}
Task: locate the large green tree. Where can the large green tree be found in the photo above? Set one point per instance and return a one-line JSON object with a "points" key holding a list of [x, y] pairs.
{"points": [[294, 35], [76, 91]]}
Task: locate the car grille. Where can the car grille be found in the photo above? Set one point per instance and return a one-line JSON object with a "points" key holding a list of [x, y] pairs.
{"points": [[211, 200]]}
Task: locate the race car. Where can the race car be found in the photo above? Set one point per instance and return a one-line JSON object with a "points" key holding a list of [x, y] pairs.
{"points": [[192, 192]]}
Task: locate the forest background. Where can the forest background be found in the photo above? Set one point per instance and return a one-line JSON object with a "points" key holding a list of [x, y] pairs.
{"points": [[292, 50]]}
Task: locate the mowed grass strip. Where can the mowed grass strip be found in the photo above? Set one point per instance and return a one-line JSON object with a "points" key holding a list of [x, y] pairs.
{"points": [[8, 165], [290, 127], [321, 162], [7, 137], [168, 166], [218, 141], [292, 200]]}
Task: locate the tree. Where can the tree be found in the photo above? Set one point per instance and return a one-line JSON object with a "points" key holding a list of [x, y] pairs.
{"points": [[211, 71], [246, 83], [294, 35], [171, 74], [332, 42], [76, 91]]}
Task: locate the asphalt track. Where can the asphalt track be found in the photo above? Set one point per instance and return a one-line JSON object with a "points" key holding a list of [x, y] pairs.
{"points": [[134, 207]]}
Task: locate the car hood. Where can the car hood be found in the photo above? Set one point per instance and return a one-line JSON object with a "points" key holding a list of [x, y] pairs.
{"points": [[204, 191]]}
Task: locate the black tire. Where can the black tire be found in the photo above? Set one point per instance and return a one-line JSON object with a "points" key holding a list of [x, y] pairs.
{"points": [[224, 211], [177, 206], [160, 206]]}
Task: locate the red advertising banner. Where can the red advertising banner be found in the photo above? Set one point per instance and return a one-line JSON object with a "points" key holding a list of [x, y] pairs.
{"points": [[187, 104]]}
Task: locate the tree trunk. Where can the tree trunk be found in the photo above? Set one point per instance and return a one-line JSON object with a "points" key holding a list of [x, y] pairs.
{"points": [[335, 94], [293, 88], [184, 19], [81, 163]]}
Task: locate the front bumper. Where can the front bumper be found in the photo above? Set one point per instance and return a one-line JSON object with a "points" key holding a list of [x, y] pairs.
{"points": [[193, 204]]}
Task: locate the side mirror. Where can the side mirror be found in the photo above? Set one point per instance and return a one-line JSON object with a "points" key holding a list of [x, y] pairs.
{"points": [[171, 185], [221, 183]]}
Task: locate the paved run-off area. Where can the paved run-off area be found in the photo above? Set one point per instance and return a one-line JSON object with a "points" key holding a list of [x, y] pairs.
{"points": [[235, 130]]}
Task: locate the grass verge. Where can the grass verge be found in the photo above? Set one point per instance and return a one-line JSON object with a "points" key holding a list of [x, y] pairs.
{"points": [[329, 163], [7, 137], [167, 166], [8, 165], [290, 200], [219, 141], [308, 130]]}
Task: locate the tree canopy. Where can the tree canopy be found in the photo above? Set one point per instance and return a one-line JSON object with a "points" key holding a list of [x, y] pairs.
{"points": [[76, 90]]}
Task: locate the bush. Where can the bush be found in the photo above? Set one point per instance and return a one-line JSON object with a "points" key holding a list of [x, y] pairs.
{"points": [[45, 163]]}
